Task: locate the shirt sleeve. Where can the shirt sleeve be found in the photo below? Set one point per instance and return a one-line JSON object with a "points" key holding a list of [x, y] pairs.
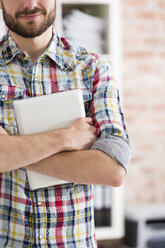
{"points": [[108, 118]]}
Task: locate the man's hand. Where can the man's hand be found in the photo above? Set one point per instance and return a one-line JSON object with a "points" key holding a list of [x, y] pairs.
{"points": [[2, 131], [81, 134]]}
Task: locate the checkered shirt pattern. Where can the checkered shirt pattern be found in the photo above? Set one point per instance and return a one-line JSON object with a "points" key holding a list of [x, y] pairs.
{"points": [[60, 216]]}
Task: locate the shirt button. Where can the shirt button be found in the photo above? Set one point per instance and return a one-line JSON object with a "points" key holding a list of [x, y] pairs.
{"points": [[3, 96], [39, 203], [40, 237]]}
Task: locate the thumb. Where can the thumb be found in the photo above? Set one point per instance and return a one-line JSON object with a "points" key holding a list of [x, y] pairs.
{"points": [[2, 131]]}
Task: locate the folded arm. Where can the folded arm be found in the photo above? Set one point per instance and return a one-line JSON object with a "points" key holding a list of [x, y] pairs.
{"points": [[20, 151], [64, 153], [84, 167]]}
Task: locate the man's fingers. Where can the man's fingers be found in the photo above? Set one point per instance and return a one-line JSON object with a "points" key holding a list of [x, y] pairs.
{"points": [[89, 120], [2, 131], [93, 129]]}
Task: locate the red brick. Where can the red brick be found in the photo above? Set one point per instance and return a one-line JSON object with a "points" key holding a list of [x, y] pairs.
{"points": [[162, 54], [161, 16], [147, 68], [137, 54], [147, 15], [161, 4], [154, 41], [135, 3], [160, 107]]}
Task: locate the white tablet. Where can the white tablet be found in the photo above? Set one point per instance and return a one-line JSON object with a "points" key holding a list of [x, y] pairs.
{"points": [[44, 113]]}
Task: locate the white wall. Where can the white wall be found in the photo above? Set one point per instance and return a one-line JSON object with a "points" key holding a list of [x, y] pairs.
{"points": [[2, 25]]}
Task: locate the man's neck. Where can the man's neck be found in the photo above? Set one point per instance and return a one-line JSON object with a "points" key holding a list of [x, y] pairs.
{"points": [[34, 46]]}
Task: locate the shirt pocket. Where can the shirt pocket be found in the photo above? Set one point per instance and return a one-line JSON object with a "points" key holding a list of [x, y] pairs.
{"points": [[8, 94]]}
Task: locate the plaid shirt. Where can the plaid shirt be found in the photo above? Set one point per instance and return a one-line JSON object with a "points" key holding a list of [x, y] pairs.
{"points": [[60, 216]]}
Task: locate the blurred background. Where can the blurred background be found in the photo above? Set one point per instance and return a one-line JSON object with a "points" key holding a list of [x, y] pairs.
{"points": [[131, 35], [143, 42]]}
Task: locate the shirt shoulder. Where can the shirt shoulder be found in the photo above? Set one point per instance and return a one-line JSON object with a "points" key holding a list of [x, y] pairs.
{"points": [[80, 56]]}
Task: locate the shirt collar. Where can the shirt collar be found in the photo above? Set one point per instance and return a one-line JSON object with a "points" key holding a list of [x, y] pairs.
{"points": [[59, 50], [8, 49]]}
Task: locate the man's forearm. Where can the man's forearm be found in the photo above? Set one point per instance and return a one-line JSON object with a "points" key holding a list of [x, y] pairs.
{"points": [[19, 151], [85, 167]]}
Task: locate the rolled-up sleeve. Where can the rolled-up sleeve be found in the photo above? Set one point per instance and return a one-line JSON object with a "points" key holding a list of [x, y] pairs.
{"points": [[108, 118]]}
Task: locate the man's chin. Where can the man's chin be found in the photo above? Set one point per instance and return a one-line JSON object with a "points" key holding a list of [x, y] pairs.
{"points": [[30, 30]]}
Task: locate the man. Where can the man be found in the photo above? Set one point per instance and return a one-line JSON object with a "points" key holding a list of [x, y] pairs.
{"points": [[34, 60]]}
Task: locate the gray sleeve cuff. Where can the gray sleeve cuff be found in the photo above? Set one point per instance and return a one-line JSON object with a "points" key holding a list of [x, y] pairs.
{"points": [[115, 147]]}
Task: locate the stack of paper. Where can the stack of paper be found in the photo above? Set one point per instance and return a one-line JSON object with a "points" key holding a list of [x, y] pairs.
{"points": [[85, 30]]}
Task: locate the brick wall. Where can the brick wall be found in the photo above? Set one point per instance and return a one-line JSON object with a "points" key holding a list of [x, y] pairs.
{"points": [[144, 97]]}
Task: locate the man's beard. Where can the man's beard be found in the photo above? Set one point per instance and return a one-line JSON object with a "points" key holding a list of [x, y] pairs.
{"points": [[31, 29]]}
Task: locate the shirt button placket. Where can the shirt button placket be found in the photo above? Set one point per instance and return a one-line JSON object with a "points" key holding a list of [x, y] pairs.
{"points": [[38, 210]]}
